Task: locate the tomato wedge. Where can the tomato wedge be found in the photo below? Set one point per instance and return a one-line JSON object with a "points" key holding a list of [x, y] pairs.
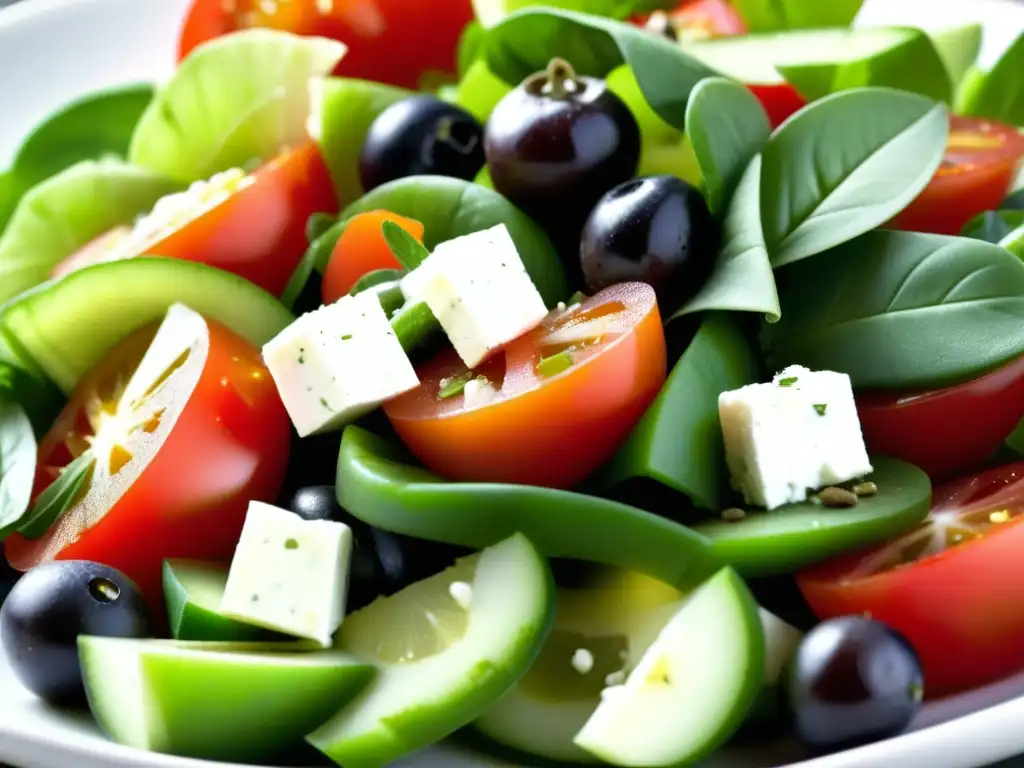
{"points": [[177, 444], [253, 226], [945, 431], [390, 41], [950, 585], [362, 249], [980, 165], [552, 407]]}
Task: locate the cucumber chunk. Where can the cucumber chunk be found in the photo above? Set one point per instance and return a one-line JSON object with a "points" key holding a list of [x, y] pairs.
{"points": [[600, 630], [780, 643], [65, 327], [448, 648], [692, 689], [218, 701], [193, 592]]}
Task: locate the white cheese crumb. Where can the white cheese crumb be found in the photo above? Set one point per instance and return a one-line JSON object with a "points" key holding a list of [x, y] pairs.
{"points": [[615, 678], [462, 593], [583, 661], [612, 690], [478, 392]]}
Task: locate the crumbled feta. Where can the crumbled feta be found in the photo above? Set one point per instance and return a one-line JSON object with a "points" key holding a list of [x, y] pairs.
{"points": [[583, 661], [479, 291], [461, 593], [792, 436], [615, 678], [337, 363], [477, 392], [289, 574]]}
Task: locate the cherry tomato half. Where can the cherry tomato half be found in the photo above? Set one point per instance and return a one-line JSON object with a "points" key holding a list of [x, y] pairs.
{"points": [[362, 249], [180, 447], [951, 585], [554, 405], [945, 431], [980, 165], [390, 41], [258, 230]]}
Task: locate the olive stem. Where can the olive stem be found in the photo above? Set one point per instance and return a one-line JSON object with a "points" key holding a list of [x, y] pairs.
{"points": [[558, 81]]}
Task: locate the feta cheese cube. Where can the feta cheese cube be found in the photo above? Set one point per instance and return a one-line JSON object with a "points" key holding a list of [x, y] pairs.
{"points": [[797, 434], [479, 291], [289, 574], [333, 365]]}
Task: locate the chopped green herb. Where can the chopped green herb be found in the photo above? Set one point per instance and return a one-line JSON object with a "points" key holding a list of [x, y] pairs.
{"points": [[821, 408], [577, 298], [302, 355], [409, 251], [453, 386], [556, 364], [788, 381], [346, 337], [323, 402]]}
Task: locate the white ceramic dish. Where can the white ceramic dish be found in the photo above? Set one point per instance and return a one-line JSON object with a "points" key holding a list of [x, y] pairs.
{"points": [[53, 50]]}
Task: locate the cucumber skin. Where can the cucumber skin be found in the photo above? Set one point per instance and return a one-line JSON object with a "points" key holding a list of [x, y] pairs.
{"points": [[189, 621]]}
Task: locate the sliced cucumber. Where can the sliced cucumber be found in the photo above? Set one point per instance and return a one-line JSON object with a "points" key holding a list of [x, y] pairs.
{"points": [[65, 327], [448, 647], [780, 643], [193, 592], [233, 702], [603, 629], [692, 689]]}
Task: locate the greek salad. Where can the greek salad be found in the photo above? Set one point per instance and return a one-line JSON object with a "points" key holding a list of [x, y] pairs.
{"points": [[595, 382]]}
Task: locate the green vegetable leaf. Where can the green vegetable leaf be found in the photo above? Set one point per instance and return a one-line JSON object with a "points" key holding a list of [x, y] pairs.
{"points": [[480, 90], [97, 126], [742, 280], [727, 127], [17, 463], [10, 193], [376, 278], [470, 44], [409, 251], [1014, 201], [958, 47], [1016, 440], [59, 216], [490, 12], [901, 310], [413, 324], [845, 165], [58, 497], [317, 224], [524, 42], [775, 15], [454, 386], [1014, 242], [343, 111], [999, 93], [40, 399], [235, 99], [315, 257], [993, 226], [449, 208], [678, 442]]}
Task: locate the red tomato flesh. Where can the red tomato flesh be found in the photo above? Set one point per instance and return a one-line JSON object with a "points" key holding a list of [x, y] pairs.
{"points": [[951, 585], [177, 462], [549, 423], [780, 101]]}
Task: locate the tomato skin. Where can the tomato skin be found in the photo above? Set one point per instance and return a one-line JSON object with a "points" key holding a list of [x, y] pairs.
{"points": [[970, 181], [390, 41], [945, 431], [229, 445], [780, 101], [548, 432], [960, 609], [362, 249]]}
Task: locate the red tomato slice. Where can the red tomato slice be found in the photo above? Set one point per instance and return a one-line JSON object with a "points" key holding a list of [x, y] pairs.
{"points": [[390, 41], [563, 397], [257, 232], [980, 165], [181, 448], [362, 249], [780, 100], [945, 431], [951, 585]]}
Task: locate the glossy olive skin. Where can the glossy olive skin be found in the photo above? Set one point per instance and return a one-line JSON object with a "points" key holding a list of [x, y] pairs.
{"points": [[421, 135], [50, 607], [382, 562], [657, 230], [852, 681], [557, 143]]}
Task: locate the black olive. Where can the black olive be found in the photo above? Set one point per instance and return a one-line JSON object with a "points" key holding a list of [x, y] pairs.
{"points": [[656, 230], [382, 562], [50, 607], [555, 145], [421, 135], [852, 681]]}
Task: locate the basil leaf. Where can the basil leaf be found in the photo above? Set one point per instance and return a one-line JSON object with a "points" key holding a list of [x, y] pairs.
{"points": [[39, 398], [774, 15], [901, 310], [1014, 201], [523, 43], [742, 280], [999, 93], [96, 126], [845, 165], [17, 464], [993, 226], [376, 278], [449, 208], [58, 497], [468, 50], [409, 251], [315, 257], [727, 127], [317, 224]]}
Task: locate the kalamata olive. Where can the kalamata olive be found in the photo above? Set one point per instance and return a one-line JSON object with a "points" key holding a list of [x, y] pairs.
{"points": [[656, 230], [50, 607], [421, 135], [852, 681]]}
